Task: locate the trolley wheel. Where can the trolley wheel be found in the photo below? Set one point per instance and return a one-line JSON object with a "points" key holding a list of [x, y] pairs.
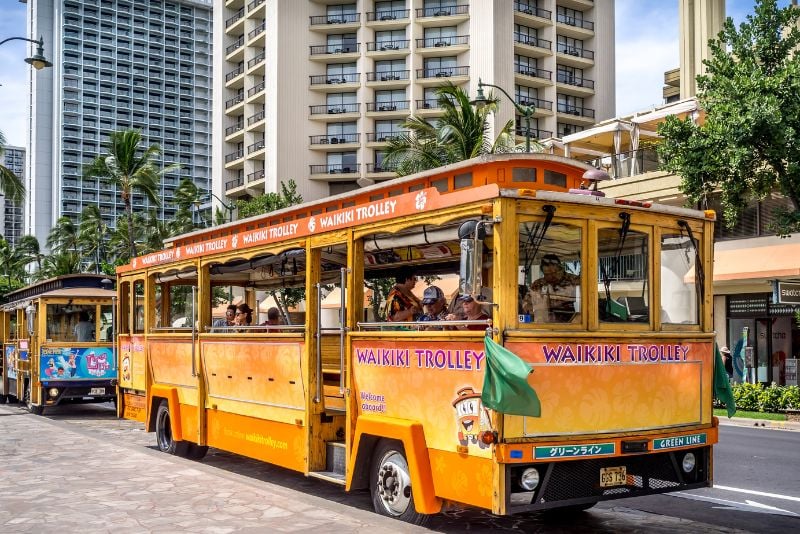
{"points": [[196, 452], [165, 440], [35, 409], [390, 484]]}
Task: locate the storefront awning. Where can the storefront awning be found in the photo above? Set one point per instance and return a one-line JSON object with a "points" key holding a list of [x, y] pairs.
{"points": [[769, 262]]}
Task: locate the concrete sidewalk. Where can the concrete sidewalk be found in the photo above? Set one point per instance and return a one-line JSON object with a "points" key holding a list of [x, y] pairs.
{"points": [[62, 477], [760, 423]]}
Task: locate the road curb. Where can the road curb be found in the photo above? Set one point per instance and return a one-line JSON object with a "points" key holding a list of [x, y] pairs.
{"points": [[760, 423]]}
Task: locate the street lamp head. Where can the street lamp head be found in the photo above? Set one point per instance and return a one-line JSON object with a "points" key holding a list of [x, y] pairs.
{"points": [[480, 101], [38, 61]]}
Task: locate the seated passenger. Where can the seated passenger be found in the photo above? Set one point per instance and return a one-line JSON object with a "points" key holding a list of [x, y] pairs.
{"points": [[433, 303], [552, 297], [401, 304], [471, 311], [273, 319], [244, 316], [222, 325]]}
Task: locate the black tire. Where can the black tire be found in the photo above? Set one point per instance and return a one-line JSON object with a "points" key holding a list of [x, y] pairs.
{"points": [[164, 439], [196, 452], [33, 408], [390, 484]]}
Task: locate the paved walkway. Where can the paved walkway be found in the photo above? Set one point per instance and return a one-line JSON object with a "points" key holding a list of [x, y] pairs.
{"points": [[56, 476], [775, 425]]}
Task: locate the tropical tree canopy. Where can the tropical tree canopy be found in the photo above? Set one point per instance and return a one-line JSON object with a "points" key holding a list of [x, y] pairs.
{"points": [[288, 196], [461, 133], [131, 168], [10, 184], [749, 145]]}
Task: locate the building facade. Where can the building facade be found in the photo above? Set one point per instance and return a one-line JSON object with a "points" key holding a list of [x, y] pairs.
{"points": [[749, 259], [313, 90], [11, 222], [117, 64]]}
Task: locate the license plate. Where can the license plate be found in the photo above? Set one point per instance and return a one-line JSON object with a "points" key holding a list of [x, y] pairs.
{"points": [[97, 391], [612, 476]]}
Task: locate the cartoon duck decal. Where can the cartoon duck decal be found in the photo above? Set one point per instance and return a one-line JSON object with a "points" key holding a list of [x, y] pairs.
{"points": [[471, 417]]}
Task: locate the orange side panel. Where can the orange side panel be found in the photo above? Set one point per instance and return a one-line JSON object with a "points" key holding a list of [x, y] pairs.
{"points": [[171, 394], [270, 441], [462, 478], [412, 436], [134, 407]]}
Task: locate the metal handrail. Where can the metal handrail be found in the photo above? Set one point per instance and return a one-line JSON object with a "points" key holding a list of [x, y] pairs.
{"points": [[238, 329], [424, 324]]}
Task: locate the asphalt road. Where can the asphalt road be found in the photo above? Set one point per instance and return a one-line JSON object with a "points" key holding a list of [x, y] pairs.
{"points": [[757, 473]]}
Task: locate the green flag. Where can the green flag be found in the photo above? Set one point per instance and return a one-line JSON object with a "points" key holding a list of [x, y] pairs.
{"points": [[722, 384], [505, 384]]}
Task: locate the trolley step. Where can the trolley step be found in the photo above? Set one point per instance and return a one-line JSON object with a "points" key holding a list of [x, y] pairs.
{"points": [[329, 476], [335, 457]]}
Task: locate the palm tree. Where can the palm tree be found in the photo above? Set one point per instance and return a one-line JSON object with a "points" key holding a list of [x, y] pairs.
{"points": [[10, 184], [156, 231], [186, 198], [119, 241], [63, 237], [29, 247], [92, 235], [131, 169], [67, 262], [12, 265], [461, 133]]}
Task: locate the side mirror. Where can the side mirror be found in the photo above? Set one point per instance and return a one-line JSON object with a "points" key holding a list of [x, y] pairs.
{"points": [[30, 314], [472, 234]]}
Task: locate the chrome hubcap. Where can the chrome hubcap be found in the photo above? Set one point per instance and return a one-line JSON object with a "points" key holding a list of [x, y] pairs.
{"points": [[394, 483]]}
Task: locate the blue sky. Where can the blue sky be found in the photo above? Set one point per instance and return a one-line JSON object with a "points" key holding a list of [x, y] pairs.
{"points": [[647, 45]]}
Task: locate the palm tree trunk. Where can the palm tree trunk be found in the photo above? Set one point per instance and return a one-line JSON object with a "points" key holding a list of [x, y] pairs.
{"points": [[129, 213]]}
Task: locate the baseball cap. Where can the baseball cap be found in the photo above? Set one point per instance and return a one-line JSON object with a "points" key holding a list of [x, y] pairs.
{"points": [[432, 294], [470, 298], [725, 350]]}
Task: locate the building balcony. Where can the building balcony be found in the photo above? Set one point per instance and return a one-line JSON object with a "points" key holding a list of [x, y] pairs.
{"points": [[232, 185], [428, 106], [532, 46], [380, 170], [341, 23], [570, 55], [335, 112], [442, 15], [256, 93], [574, 85], [256, 149], [258, 30], [233, 159], [231, 81], [233, 23], [532, 77], [381, 138], [388, 19], [230, 130], [394, 79], [255, 4], [434, 76], [580, 27], [257, 117], [340, 171], [335, 142], [233, 102], [575, 111], [398, 108], [255, 176], [339, 51], [532, 12], [257, 60], [389, 49], [439, 45], [536, 133], [540, 104], [236, 45], [335, 83]]}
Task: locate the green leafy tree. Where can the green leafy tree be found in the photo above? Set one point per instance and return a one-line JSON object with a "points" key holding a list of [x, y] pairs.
{"points": [[131, 168], [461, 133], [186, 198], [156, 231], [64, 236], [61, 263], [120, 239], [288, 196], [30, 250], [12, 267], [10, 184], [749, 144]]}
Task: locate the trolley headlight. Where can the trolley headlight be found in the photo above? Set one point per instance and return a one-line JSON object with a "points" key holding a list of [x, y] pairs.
{"points": [[53, 392], [529, 479], [689, 462]]}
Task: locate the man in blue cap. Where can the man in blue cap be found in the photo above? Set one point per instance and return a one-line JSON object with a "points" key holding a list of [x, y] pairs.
{"points": [[433, 303]]}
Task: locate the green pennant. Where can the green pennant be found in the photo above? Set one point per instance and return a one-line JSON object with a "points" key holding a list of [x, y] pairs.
{"points": [[722, 384], [505, 383]]}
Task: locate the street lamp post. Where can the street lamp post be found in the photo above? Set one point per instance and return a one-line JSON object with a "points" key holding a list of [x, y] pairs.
{"points": [[37, 61], [526, 111], [230, 208]]}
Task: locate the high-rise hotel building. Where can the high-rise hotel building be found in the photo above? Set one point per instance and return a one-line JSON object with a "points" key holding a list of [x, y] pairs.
{"points": [[117, 64], [311, 90], [11, 221]]}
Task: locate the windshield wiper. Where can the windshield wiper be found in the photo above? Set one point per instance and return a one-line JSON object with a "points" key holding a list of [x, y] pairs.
{"points": [[536, 237], [698, 265]]}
